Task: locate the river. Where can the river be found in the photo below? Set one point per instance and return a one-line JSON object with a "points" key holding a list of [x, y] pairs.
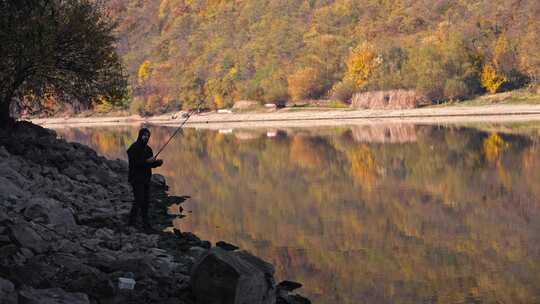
{"points": [[382, 213]]}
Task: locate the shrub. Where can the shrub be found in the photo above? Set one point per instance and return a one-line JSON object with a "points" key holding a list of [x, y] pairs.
{"points": [[102, 105], [144, 71], [433, 89], [153, 104], [491, 79], [455, 89], [275, 90], [343, 91], [305, 83], [137, 106], [515, 80]]}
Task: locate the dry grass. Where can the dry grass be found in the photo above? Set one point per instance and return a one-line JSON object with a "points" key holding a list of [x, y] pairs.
{"points": [[522, 96]]}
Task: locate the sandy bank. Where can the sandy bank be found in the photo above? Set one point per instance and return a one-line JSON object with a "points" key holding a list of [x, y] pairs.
{"points": [[319, 117]]}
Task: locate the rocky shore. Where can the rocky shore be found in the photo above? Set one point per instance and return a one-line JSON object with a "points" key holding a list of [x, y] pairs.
{"points": [[63, 237]]}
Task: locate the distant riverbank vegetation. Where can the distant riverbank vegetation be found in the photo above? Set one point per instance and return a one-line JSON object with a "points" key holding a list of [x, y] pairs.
{"points": [[180, 51]]}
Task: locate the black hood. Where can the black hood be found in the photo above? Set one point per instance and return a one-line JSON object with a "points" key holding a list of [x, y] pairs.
{"points": [[141, 132]]}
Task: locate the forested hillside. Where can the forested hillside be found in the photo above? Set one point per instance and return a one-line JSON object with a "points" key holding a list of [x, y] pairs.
{"points": [[178, 52]]}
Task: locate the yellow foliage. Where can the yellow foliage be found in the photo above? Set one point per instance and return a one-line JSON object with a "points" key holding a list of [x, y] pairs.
{"points": [[361, 64], [103, 105], [491, 79], [501, 47], [219, 101], [494, 145], [144, 71], [163, 8]]}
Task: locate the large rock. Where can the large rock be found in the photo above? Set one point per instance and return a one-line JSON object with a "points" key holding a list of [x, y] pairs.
{"points": [[104, 176], [27, 237], [51, 211], [391, 100], [51, 296], [72, 172], [7, 292], [9, 169], [3, 152], [9, 189], [223, 277], [158, 181]]}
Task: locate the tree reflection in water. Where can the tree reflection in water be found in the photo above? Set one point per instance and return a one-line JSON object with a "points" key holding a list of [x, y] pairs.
{"points": [[380, 214]]}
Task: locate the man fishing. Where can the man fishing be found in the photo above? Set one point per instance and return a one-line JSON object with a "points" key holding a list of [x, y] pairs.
{"points": [[141, 162]]}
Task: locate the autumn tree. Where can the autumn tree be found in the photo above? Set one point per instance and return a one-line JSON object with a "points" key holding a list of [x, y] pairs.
{"points": [[65, 47], [361, 64], [529, 51], [144, 71], [305, 83], [492, 79]]}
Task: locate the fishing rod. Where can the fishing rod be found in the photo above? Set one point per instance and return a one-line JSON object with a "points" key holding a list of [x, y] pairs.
{"points": [[180, 127]]}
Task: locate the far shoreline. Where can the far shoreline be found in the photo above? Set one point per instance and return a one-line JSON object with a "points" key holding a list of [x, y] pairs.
{"points": [[313, 117]]}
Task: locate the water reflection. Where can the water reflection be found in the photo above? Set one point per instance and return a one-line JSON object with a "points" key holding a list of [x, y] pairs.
{"points": [[371, 214]]}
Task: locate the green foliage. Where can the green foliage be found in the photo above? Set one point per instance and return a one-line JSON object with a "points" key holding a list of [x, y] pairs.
{"points": [[455, 89], [274, 89], [441, 65]]}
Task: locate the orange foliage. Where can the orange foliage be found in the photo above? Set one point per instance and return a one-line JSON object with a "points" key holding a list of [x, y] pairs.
{"points": [[304, 83]]}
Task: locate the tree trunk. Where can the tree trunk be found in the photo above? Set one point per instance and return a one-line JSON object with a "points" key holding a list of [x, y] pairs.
{"points": [[5, 118]]}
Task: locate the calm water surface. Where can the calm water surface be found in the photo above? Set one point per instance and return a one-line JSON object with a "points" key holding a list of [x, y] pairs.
{"points": [[364, 214]]}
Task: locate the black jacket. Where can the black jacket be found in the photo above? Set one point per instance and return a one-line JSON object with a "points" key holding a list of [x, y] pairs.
{"points": [[140, 171]]}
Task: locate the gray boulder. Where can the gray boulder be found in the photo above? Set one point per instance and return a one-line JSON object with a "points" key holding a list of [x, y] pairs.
{"points": [[72, 172], [51, 296], [27, 237], [9, 169], [50, 211], [8, 189], [162, 262], [237, 277], [103, 176], [7, 292], [3, 152], [159, 181]]}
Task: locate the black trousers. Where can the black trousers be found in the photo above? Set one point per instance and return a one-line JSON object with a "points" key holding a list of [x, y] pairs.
{"points": [[141, 192]]}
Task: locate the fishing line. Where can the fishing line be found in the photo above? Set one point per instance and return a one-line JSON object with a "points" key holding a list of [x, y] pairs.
{"points": [[180, 127]]}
